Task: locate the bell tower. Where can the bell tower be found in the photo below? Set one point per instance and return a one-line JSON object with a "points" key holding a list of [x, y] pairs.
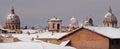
{"points": [[54, 24]]}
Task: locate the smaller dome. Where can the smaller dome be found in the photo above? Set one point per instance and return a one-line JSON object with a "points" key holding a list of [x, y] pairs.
{"points": [[73, 21]]}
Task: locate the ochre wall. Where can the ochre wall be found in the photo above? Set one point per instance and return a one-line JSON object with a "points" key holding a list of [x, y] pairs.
{"points": [[53, 41], [85, 39]]}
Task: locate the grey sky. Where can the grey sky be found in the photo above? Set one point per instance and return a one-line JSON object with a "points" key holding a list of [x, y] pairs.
{"points": [[32, 12]]}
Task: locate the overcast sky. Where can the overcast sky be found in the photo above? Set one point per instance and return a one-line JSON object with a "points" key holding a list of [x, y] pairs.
{"points": [[32, 12]]}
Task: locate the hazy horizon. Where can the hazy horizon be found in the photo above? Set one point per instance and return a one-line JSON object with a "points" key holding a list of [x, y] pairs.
{"points": [[32, 12]]}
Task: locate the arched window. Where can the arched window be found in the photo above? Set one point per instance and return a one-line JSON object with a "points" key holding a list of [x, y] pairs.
{"points": [[108, 25], [12, 27], [53, 25], [58, 26], [17, 27]]}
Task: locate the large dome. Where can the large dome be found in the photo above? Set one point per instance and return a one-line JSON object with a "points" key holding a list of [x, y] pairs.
{"points": [[12, 21]]}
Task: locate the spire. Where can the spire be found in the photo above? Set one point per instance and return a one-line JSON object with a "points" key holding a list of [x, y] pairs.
{"points": [[110, 10], [12, 10]]}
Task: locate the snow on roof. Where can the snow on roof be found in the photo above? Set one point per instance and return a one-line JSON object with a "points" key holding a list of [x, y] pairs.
{"points": [[20, 45], [64, 43], [24, 37], [106, 31], [54, 46], [108, 15], [10, 16], [46, 35], [27, 43], [54, 18], [31, 45], [51, 35], [29, 30]]}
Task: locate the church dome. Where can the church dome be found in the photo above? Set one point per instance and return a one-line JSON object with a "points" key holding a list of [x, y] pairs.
{"points": [[12, 21], [110, 17], [12, 17], [73, 21]]}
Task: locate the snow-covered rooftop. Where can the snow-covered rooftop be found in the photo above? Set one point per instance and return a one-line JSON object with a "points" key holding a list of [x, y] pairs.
{"points": [[45, 35], [31, 45], [29, 30], [27, 43], [54, 19], [106, 31], [64, 43], [51, 35]]}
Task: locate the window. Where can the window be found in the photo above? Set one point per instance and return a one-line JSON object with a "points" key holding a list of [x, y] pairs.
{"points": [[115, 42], [58, 26], [107, 24], [13, 21], [53, 25]]}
